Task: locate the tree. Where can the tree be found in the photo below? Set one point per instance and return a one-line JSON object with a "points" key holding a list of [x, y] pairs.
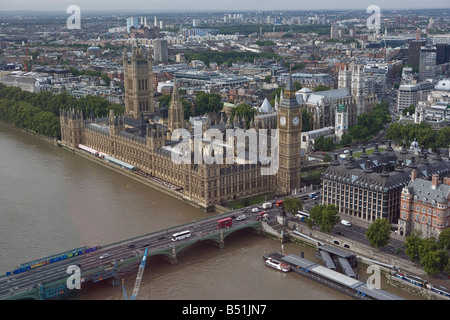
{"points": [[297, 85], [443, 138], [428, 245], [319, 143], [327, 158], [346, 139], [379, 233], [268, 79], [431, 253], [422, 132], [164, 100], [412, 244], [292, 205], [369, 124], [444, 239], [411, 109], [276, 93], [187, 106], [325, 216], [243, 110], [306, 120], [321, 87], [207, 103], [434, 261]]}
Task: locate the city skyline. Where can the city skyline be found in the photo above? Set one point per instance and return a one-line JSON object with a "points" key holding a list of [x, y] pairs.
{"points": [[231, 5]]}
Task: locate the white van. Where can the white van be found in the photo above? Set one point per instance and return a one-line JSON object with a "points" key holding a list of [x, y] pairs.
{"points": [[267, 205], [346, 223]]}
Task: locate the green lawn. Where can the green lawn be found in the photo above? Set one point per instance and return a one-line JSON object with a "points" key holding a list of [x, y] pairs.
{"points": [[368, 152], [245, 202]]}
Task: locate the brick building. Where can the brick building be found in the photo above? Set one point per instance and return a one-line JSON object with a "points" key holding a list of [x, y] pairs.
{"points": [[425, 206]]}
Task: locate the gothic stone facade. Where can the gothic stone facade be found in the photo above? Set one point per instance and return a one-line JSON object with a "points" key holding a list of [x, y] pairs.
{"points": [[136, 139]]}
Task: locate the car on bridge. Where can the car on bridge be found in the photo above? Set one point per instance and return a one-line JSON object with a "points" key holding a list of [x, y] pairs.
{"points": [[241, 217], [103, 256]]}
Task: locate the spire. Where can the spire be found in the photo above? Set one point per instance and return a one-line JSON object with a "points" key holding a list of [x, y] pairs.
{"points": [[175, 95], [289, 85]]}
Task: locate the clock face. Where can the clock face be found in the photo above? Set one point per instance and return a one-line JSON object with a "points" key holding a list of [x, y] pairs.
{"points": [[283, 120], [295, 121]]}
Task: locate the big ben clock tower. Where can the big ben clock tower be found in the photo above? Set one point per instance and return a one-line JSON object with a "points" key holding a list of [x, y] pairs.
{"points": [[289, 135]]}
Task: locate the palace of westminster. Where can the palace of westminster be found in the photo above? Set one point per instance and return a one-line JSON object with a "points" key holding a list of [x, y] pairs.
{"points": [[143, 140]]}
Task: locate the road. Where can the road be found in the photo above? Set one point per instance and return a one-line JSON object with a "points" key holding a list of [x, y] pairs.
{"points": [[354, 233]]}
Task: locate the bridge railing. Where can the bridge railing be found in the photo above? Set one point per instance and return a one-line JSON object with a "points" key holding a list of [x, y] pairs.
{"points": [[172, 229]]}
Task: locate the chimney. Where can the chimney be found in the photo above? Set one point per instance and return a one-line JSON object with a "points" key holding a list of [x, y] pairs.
{"points": [[434, 181], [446, 181], [413, 174], [376, 149]]}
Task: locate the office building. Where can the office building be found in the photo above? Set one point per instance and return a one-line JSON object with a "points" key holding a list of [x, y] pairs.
{"points": [[442, 53], [160, 51], [427, 63], [334, 32], [407, 95], [414, 52]]}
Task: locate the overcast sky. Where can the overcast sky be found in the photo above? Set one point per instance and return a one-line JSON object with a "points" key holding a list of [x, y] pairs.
{"points": [[214, 5]]}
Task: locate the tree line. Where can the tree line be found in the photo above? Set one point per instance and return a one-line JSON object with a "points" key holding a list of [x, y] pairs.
{"points": [[422, 132], [202, 104], [431, 253], [370, 123], [40, 112]]}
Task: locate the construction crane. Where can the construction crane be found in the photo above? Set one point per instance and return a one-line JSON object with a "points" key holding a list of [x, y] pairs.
{"points": [[137, 285]]}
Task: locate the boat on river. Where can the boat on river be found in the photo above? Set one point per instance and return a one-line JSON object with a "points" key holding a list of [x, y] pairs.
{"points": [[277, 265]]}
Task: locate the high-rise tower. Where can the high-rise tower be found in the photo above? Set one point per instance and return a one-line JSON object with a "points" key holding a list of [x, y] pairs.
{"points": [[289, 135], [138, 81]]}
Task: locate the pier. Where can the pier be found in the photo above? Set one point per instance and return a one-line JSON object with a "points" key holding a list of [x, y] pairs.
{"points": [[331, 278]]}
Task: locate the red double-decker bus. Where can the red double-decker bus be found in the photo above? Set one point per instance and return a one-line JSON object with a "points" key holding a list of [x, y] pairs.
{"points": [[224, 223], [279, 203]]}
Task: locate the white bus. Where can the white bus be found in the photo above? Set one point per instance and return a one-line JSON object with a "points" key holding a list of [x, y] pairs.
{"points": [[302, 213], [181, 235]]}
